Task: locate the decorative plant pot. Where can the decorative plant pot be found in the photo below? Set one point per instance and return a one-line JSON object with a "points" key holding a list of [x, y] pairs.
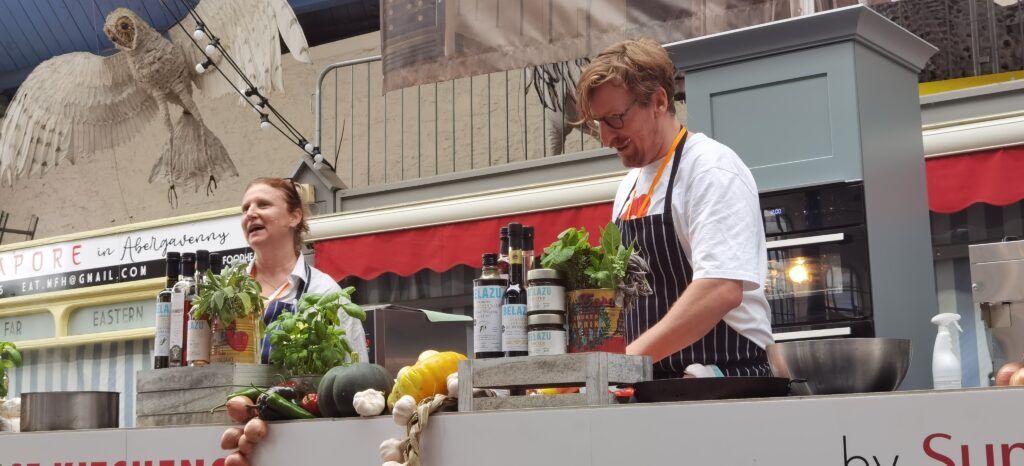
{"points": [[596, 321], [236, 343]]}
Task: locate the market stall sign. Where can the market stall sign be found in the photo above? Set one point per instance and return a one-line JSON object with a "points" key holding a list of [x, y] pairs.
{"points": [[27, 327], [116, 258], [112, 317]]}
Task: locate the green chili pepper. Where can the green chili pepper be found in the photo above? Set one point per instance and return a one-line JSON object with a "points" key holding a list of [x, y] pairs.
{"points": [[286, 408]]}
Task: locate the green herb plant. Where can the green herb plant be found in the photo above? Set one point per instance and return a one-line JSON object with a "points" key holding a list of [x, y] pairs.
{"points": [[608, 267], [585, 266], [308, 341], [231, 295], [571, 255], [9, 358]]}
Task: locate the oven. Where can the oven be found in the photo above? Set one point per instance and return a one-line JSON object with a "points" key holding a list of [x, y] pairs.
{"points": [[818, 283]]}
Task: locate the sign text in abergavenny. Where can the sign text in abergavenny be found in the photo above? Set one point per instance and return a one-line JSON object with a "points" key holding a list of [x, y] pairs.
{"points": [[116, 258]]}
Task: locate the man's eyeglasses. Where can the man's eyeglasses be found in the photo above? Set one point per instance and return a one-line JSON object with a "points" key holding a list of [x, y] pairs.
{"points": [[616, 121]]}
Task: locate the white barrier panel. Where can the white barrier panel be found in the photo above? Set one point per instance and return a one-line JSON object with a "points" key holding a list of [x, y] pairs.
{"points": [[976, 427]]}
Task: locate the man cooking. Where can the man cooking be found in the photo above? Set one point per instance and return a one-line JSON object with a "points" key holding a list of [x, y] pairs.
{"points": [[691, 207]]}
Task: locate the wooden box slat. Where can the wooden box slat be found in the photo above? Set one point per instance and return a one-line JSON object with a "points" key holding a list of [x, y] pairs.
{"points": [[595, 371], [185, 395]]}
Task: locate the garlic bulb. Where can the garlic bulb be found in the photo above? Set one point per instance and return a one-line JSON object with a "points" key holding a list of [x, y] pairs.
{"points": [[390, 450], [453, 385], [404, 409], [369, 402]]}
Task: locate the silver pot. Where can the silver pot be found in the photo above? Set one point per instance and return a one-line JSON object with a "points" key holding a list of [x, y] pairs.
{"points": [[69, 410]]}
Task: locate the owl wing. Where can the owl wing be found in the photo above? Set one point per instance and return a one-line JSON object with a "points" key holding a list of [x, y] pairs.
{"points": [[251, 32], [69, 106]]}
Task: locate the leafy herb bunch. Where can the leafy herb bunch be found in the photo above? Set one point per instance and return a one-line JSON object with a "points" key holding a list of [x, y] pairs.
{"points": [[585, 266], [231, 295], [9, 358], [308, 341]]}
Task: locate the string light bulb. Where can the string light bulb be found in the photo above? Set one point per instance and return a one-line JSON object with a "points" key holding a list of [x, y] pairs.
{"points": [[201, 67], [318, 158], [309, 147], [264, 121], [199, 33], [318, 165]]}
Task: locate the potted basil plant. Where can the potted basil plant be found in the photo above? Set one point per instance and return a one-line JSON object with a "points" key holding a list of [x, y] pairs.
{"points": [[602, 282], [308, 342], [233, 304]]}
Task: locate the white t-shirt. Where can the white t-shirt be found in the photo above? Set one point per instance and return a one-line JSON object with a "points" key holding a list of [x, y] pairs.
{"points": [[322, 283], [717, 217]]}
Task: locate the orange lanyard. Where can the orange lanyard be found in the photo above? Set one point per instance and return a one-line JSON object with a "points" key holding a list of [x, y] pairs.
{"points": [[630, 214], [280, 291]]}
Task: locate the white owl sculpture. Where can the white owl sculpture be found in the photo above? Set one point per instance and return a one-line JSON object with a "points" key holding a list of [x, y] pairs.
{"points": [[76, 104]]}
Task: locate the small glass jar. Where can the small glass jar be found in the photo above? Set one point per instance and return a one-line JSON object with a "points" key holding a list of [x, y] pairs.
{"points": [[546, 334], [545, 292]]}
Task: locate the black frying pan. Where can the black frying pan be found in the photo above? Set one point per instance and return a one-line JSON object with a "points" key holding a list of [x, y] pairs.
{"points": [[711, 388]]}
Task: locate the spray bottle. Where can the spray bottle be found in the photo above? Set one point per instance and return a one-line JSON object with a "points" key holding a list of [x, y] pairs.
{"points": [[945, 363]]}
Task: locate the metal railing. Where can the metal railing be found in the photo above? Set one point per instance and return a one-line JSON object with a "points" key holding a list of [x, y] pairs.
{"points": [[421, 131]]}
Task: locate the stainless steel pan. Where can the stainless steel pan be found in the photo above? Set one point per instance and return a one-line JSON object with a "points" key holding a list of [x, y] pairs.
{"points": [[43, 411]]}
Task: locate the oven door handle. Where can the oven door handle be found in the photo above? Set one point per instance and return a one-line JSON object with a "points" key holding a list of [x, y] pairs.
{"points": [[806, 241]]}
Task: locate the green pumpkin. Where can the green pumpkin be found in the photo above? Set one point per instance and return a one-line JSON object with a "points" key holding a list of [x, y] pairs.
{"points": [[341, 383]]}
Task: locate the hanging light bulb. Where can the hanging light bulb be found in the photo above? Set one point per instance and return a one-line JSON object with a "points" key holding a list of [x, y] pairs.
{"points": [[318, 165], [201, 68], [318, 158], [213, 52], [309, 147], [199, 33], [264, 121]]}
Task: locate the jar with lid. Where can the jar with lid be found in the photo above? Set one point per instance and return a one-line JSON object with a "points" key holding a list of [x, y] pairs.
{"points": [[546, 334], [545, 292]]}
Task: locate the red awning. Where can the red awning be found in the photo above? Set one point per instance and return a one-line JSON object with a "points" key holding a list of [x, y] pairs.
{"points": [[441, 247], [993, 176]]}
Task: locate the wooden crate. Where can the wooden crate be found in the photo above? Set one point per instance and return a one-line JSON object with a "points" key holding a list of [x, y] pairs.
{"points": [[185, 395], [595, 371]]}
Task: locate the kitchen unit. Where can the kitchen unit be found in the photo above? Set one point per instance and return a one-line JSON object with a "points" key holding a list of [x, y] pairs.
{"points": [[824, 111]]}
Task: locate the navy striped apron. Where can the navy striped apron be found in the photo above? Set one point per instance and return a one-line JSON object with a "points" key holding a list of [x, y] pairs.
{"points": [[656, 241], [276, 307]]}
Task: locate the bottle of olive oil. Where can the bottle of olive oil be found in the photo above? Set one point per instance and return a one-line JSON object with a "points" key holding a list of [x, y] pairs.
{"points": [[181, 307], [162, 341], [513, 309], [488, 296]]}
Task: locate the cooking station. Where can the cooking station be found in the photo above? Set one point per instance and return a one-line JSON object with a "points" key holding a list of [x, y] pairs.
{"points": [[824, 110]]}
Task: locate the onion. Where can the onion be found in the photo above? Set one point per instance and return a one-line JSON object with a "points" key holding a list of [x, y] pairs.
{"points": [[229, 440], [255, 430], [238, 409], [1018, 378], [236, 459], [245, 445], [1006, 372]]}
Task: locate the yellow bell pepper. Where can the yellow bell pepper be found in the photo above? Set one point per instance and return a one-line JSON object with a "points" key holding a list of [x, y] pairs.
{"points": [[426, 378]]}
